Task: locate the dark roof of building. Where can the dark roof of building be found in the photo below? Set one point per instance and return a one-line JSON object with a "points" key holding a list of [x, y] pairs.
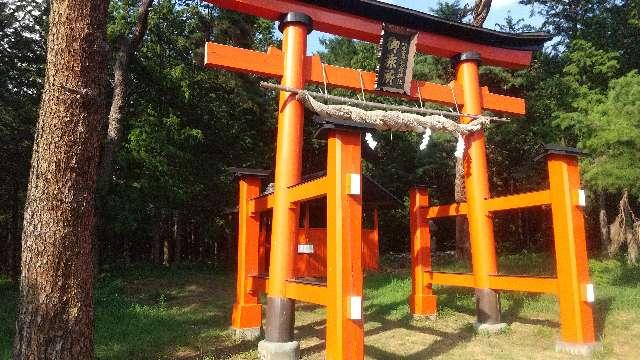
{"points": [[420, 21]]}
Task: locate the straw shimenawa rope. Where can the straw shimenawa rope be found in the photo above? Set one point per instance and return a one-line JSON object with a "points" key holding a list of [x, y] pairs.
{"points": [[391, 119], [388, 117]]}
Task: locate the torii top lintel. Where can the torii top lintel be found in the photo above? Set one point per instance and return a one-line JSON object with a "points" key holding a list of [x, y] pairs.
{"points": [[362, 20]]}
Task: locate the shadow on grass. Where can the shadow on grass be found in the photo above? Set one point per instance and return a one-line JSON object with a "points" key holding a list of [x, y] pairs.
{"points": [[164, 319], [446, 341]]}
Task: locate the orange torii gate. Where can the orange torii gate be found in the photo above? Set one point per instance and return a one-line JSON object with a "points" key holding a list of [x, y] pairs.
{"points": [[342, 292]]}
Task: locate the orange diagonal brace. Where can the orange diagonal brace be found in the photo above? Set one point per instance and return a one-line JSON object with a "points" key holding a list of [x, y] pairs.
{"points": [[452, 279], [360, 28], [270, 64], [314, 294], [308, 190], [519, 201], [446, 210], [524, 283]]}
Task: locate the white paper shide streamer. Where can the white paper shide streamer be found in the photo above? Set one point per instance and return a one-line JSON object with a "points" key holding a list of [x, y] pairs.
{"points": [[425, 139], [371, 141]]}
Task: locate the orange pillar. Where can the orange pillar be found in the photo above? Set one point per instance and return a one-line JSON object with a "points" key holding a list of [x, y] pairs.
{"points": [[246, 319], [575, 293], [345, 333], [375, 246], [483, 253], [280, 310], [422, 302]]}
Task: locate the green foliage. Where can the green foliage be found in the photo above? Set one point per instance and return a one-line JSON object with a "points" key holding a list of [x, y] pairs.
{"points": [[452, 10], [184, 125], [22, 42], [615, 141], [8, 306]]}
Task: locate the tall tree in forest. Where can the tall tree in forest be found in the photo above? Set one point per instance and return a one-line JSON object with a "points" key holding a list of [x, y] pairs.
{"points": [[127, 45], [55, 317]]}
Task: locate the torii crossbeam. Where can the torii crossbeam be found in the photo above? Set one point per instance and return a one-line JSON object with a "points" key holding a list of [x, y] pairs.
{"points": [[342, 294]]}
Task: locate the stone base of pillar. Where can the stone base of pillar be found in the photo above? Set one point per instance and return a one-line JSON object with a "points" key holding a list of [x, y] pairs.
{"points": [[489, 328], [577, 349], [246, 333], [278, 351]]}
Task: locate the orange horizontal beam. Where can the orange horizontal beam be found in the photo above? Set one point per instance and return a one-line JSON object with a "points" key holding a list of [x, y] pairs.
{"points": [[452, 279], [446, 210], [261, 204], [519, 201], [524, 283], [356, 27], [308, 190], [270, 64], [315, 294]]}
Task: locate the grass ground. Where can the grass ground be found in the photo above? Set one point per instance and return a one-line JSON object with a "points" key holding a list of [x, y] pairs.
{"points": [[158, 313]]}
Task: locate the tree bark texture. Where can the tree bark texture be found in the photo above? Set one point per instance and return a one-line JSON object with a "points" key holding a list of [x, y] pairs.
{"points": [[177, 237], [481, 11], [55, 316], [604, 223]]}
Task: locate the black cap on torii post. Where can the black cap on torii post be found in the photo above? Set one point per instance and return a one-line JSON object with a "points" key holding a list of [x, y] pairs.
{"points": [[296, 17], [466, 56]]}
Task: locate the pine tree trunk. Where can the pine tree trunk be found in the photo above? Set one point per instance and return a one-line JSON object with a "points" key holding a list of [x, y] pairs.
{"points": [[481, 12], [604, 224], [126, 48], [55, 317], [177, 239]]}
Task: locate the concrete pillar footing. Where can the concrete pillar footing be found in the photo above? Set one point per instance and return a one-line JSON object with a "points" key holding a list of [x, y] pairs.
{"points": [[247, 333], [578, 349], [278, 351], [489, 328]]}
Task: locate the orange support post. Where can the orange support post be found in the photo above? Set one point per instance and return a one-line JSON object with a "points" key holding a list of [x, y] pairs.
{"points": [[280, 309], [483, 253], [373, 245], [575, 293], [422, 302], [246, 319], [345, 333]]}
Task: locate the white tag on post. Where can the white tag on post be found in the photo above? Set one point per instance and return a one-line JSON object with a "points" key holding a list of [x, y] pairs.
{"points": [[355, 308], [591, 294], [354, 184], [582, 198]]}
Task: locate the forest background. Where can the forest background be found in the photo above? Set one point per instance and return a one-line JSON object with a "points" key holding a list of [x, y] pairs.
{"points": [[166, 195]]}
